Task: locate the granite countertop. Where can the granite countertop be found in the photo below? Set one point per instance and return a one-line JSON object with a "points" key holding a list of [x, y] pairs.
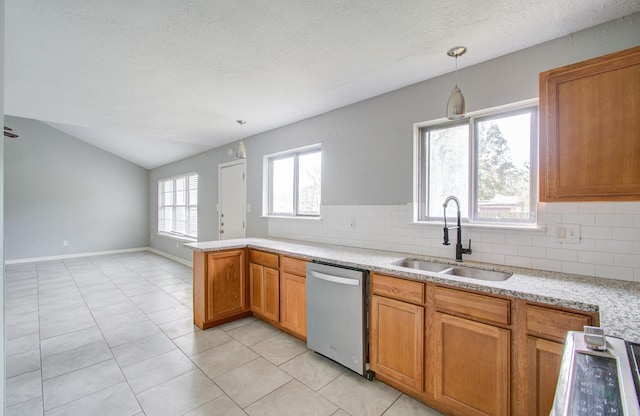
{"points": [[618, 302]]}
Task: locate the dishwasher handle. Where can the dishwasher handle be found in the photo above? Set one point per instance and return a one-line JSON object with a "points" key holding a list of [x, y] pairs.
{"points": [[335, 279]]}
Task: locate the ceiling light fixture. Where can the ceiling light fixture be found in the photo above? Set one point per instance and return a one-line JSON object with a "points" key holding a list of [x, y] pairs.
{"points": [[241, 153], [455, 105]]}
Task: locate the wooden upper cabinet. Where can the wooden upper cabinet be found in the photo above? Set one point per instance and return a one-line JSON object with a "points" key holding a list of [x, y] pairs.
{"points": [[590, 130]]}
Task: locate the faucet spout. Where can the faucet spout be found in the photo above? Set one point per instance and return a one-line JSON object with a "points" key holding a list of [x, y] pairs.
{"points": [[459, 249]]}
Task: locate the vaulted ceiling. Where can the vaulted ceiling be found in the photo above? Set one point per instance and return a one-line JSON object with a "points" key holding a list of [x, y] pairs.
{"points": [[155, 81]]}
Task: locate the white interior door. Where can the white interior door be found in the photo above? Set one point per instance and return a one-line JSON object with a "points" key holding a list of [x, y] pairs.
{"points": [[232, 212]]}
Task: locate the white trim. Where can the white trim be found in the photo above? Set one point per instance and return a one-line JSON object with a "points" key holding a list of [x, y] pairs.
{"points": [[265, 176], [487, 111], [170, 256], [72, 256], [417, 162], [100, 253], [177, 237]]}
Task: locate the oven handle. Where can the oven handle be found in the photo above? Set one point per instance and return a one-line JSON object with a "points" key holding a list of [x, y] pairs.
{"points": [[334, 279]]}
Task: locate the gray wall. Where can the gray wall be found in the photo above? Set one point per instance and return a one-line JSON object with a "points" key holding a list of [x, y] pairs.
{"points": [[60, 188], [367, 146]]}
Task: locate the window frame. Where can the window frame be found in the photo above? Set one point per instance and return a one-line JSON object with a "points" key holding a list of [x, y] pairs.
{"points": [[268, 200], [421, 174], [187, 205]]}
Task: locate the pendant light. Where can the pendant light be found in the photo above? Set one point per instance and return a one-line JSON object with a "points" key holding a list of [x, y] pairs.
{"points": [[241, 153], [455, 105]]}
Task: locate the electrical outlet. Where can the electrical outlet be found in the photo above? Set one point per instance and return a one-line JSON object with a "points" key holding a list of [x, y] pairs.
{"points": [[65, 243], [568, 233], [352, 222]]}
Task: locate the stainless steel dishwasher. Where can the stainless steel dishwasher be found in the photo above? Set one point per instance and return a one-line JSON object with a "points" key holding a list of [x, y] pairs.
{"points": [[337, 315]]}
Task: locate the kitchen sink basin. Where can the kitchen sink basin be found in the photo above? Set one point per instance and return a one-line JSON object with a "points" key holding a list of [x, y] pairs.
{"points": [[471, 272], [480, 274], [428, 266]]}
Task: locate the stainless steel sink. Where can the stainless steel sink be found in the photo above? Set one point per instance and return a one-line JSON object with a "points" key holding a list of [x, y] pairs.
{"points": [[471, 272], [480, 274], [428, 266]]}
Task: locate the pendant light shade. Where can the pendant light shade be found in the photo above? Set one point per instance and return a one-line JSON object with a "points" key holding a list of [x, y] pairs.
{"points": [[241, 152], [456, 107]]}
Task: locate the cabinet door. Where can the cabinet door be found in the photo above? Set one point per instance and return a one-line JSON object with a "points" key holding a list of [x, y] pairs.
{"points": [[225, 284], [256, 273], [293, 303], [397, 341], [270, 294], [590, 130], [543, 366], [471, 366]]}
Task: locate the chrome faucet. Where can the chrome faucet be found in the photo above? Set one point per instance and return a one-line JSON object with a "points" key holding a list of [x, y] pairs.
{"points": [[459, 250]]}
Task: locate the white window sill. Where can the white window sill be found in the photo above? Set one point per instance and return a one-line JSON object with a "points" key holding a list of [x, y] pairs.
{"points": [[491, 226], [286, 217], [178, 237]]}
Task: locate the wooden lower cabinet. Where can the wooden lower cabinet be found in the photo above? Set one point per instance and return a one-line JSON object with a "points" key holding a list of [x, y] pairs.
{"points": [[264, 289], [219, 287], [543, 362], [471, 373], [396, 349], [542, 331], [293, 304]]}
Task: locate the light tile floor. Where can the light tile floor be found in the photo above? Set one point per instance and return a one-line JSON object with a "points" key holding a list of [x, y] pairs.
{"points": [[114, 335]]}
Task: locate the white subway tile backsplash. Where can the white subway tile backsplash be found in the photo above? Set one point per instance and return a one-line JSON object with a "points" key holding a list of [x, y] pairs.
{"points": [[614, 246], [582, 219], [562, 207], [563, 254], [626, 233], [512, 237], [533, 252], [506, 249], [620, 273], [597, 207], [600, 233], [517, 261], [578, 268], [595, 257], [614, 220], [627, 208], [609, 245], [627, 260], [546, 264]]}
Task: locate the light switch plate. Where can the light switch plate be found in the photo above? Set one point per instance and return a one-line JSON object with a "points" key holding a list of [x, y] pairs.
{"points": [[568, 233]]}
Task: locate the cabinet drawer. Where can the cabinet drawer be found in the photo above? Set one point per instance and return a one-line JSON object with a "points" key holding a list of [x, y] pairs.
{"points": [[266, 259], [293, 265], [473, 305], [395, 287], [553, 323]]}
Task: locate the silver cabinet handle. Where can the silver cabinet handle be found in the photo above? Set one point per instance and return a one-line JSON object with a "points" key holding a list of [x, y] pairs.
{"points": [[335, 279]]}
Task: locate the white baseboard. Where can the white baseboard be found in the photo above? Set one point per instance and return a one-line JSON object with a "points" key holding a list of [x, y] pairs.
{"points": [[171, 256], [71, 256], [100, 253]]}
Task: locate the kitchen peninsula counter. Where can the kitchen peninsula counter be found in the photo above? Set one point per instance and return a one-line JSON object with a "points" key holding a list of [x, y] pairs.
{"points": [[617, 302]]}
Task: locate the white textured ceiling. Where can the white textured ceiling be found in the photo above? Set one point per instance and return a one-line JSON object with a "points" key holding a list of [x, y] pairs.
{"points": [[155, 81]]}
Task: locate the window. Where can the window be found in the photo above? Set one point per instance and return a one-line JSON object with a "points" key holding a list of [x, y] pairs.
{"points": [[178, 206], [294, 183], [487, 160]]}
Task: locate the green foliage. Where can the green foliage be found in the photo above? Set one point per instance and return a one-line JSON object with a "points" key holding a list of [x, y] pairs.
{"points": [[497, 175]]}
